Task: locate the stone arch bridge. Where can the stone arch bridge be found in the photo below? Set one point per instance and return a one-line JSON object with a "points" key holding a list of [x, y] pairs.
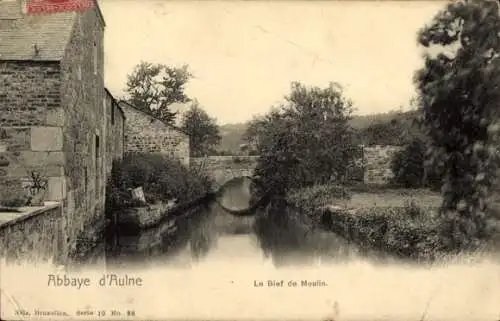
{"points": [[224, 168]]}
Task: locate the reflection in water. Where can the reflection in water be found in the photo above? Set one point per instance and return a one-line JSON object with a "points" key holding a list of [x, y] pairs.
{"points": [[209, 233], [235, 195], [289, 238]]}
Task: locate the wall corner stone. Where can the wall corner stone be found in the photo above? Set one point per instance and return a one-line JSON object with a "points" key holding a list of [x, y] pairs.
{"points": [[46, 139]]}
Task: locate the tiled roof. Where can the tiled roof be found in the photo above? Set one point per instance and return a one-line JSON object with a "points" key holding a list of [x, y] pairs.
{"points": [[19, 34]]}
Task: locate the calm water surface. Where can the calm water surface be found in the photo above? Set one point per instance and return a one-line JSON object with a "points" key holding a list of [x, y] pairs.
{"points": [[207, 232]]}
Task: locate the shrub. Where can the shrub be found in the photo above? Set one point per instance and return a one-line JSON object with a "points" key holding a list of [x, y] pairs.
{"points": [[410, 231], [304, 142], [409, 167], [459, 99], [12, 194], [161, 178], [309, 199], [318, 195]]}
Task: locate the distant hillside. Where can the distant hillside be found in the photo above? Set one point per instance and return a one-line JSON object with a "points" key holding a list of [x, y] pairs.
{"points": [[232, 137], [363, 121], [232, 133]]}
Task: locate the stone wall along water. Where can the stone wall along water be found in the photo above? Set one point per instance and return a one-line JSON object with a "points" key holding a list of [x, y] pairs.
{"points": [[31, 236]]}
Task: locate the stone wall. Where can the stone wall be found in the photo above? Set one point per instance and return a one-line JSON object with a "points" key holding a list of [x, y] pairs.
{"points": [[53, 119], [83, 99], [377, 163], [29, 93], [34, 236], [224, 168], [30, 127], [144, 133], [115, 134]]}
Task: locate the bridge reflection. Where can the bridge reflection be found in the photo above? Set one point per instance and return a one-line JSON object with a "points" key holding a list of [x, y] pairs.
{"points": [[235, 196]]}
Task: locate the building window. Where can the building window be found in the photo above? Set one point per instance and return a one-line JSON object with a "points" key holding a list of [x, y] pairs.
{"points": [[97, 165], [96, 147], [112, 114], [104, 106], [95, 58], [86, 180], [79, 73]]}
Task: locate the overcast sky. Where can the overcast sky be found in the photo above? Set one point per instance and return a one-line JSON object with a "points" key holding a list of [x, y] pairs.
{"points": [[245, 54]]}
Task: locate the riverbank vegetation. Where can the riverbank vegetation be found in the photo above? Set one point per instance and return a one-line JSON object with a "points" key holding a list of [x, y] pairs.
{"points": [[162, 179], [305, 141], [306, 149]]}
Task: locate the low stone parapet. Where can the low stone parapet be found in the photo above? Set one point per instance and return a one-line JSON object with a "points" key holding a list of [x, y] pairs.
{"points": [[144, 216], [31, 234]]}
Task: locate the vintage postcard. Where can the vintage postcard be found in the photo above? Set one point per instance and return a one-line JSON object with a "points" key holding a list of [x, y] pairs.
{"points": [[249, 160]]}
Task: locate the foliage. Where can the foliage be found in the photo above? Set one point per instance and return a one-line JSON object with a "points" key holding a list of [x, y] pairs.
{"points": [[411, 170], [253, 130], [222, 152], [13, 191], [9, 196], [202, 129], [459, 99], [37, 182], [306, 141], [384, 134], [161, 178], [233, 135], [310, 200], [399, 130], [409, 232], [154, 87], [318, 195]]}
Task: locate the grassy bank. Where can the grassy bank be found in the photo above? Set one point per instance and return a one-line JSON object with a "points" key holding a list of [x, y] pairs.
{"points": [[404, 223]]}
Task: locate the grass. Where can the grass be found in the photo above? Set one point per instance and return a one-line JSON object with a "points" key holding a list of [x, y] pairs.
{"points": [[393, 198], [403, 222]]}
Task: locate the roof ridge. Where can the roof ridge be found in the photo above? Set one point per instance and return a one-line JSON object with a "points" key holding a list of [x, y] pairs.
{"points": [[152, 115]]}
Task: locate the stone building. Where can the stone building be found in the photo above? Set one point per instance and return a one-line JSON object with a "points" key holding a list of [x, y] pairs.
{"points": [[115, 135], [145, 133], [52, 106]]}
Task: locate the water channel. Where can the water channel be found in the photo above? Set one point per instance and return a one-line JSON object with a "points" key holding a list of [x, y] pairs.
{"points": [[207, 264], [208, 232]]}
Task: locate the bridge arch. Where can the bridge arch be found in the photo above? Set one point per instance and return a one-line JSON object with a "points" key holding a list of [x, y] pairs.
{"points": [[223, 169], [232, 176]]}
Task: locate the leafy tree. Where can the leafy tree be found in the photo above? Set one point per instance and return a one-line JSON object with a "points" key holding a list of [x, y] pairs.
{"points": [[306, 141], [408, 165], [154, 87], [399, 129], [387, 133], [411, 169], [202, 129], [252, 132], [459, 97]]}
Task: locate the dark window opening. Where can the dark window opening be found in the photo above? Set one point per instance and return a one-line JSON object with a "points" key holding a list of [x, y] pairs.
{"points": [[112, 114], [86, 179], [97, 166], [95, 58], [97, 147]]}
